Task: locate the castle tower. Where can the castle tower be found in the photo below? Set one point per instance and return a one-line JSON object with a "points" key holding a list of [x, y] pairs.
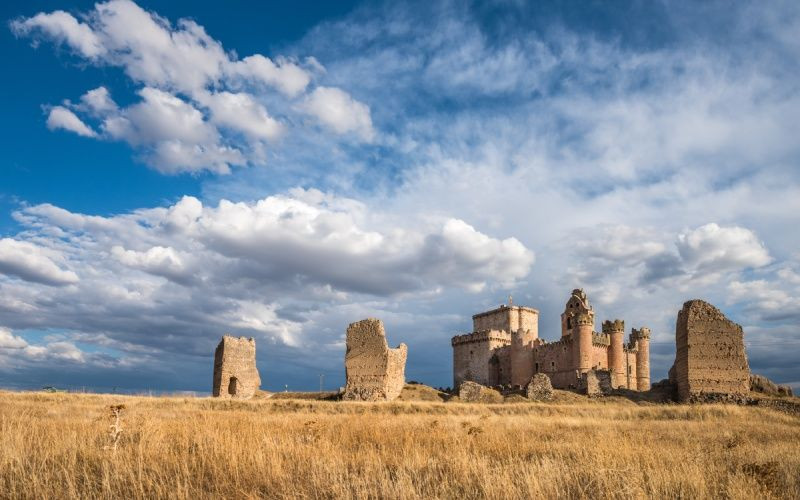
{"points": [[577, 304], [582, 342], [616, 355], [235, 372], [522, 356], [642, 339]]}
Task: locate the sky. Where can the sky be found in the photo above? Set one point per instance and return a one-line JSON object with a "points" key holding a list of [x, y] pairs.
{"points": [[176, 171]]}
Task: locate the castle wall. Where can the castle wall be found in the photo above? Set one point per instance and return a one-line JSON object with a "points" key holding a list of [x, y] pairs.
{"points": [[521, 358], [555, 360], [629, 378], [710, 356], [599, 357], [472, 354]]}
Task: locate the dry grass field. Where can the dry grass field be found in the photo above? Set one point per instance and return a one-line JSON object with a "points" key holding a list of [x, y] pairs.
{"points": [[58, 446]]}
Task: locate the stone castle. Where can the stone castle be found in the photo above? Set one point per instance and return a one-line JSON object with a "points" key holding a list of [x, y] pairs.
{"points": [[504, 349]]}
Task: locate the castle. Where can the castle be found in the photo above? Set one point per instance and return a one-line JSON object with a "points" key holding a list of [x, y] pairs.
{"points": [[504, 349]]}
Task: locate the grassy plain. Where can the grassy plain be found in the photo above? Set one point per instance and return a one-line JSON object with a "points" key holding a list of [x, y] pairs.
{"points": [[58, 446]]}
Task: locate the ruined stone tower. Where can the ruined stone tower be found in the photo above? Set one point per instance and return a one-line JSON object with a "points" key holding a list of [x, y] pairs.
{"points": [[373, 371], [235, 372], [710, 357]]}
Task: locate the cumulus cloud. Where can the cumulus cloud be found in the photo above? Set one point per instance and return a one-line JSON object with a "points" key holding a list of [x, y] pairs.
{"points": [[62, 118], [335, 109], [714, 248], [201, 107], [191, 271], [33, 263]]}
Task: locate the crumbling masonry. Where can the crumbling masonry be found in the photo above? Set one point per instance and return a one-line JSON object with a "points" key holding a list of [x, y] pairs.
{"points": [[373, 371], [235, 372], [710, 359], [505, 349]]}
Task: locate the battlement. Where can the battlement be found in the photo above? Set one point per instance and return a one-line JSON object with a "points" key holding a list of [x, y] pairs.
{"points": [[481, 336], [641, 333], [601, 339], [583, 319], [613, 326]]}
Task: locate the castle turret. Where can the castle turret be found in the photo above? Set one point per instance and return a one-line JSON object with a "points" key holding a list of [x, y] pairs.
{"points": [[582, 342], [642, 339], [616, 355]]}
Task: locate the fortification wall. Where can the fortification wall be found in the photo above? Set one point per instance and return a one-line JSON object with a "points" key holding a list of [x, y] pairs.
{"points": [[599, 357], [472, 354], [710, 356], [235, 372], [555, 360]]}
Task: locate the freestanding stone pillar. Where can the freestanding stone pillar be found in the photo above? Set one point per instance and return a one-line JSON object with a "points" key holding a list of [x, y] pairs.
{"points": [[374, 372]]}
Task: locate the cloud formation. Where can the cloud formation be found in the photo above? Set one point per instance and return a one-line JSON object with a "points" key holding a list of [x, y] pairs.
{"points": [[174, 278], [201, 108]]}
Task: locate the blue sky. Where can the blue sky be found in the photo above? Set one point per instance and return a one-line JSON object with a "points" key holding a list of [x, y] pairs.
{"points": [[173, 171]]}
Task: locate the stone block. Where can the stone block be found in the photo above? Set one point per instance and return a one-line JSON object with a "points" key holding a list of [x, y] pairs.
{"points": [[471, 392], [596, 383], [540, 388]]}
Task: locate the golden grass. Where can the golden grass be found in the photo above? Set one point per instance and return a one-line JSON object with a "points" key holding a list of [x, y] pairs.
{"points": [[52, 446]]}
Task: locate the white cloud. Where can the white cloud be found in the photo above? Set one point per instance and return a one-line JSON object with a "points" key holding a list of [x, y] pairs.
{"points": [[98, 102], [62, 27], [33, 263], [338, 111], [10, 341], [287, 76], [715, 248], [242, 113], [243, 268], [62, 118]]}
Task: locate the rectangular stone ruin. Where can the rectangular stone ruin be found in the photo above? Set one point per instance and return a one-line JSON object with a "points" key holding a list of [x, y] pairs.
{"points": [[596, 383], [235, 372], [710, 359], [373, 371]]}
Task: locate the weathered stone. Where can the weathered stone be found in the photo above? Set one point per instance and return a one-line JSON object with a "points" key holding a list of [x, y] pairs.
{"points": [[710, 356], [760, 383], [235, 372], [471, 392], [596, 383], [373, 371], [540, 388]]}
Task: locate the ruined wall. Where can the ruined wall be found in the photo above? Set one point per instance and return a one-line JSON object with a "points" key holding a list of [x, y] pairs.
{"points": [[595, 383], [710, 356], [472, 354], [555, 360], [373, 371], [235, 372]]}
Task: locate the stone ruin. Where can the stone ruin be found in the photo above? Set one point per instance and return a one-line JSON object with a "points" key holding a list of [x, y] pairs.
{"points": [[596, 383], [235, 372], [473, 392], [373, 371], [760, 383], [539, 388], [710, 360]]}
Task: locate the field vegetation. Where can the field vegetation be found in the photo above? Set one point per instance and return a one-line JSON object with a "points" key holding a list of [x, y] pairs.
{"points": [[74, 446]]}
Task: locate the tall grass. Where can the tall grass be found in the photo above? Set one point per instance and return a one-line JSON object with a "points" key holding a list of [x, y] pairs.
{"points": [[56, 446]]}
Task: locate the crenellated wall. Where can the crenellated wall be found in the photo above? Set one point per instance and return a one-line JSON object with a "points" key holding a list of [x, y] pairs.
{"points": [[472, 354]]}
